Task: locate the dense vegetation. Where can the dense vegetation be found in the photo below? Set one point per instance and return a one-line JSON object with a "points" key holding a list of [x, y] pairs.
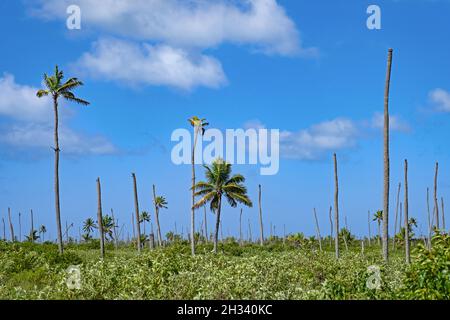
{"points": [[289, 269]]}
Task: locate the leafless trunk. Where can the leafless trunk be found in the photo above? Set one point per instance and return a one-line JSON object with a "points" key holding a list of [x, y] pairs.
{"points": [[240, 228], [386, 161], [443, 213], [430, 224], [216, 233], [4, 229], [368, 223], [115, 226], [284, 234], [206, 224], [151, 238], [336, 208], [261, 228], [157, 217], [331, 225], [32, 228], [132, 224], [20, 227], [136, 208], [362, 247], [436, 205], [100, 219], [196, 130], [407, 252], [11, 227], [250, 232], [318, 230], [57, 203], [396, 215]]}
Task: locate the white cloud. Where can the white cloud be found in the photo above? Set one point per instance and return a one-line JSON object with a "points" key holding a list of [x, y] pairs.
{"points": [[28, 123], [395, 123], [262, 24], [134, 64], [440, 100]]}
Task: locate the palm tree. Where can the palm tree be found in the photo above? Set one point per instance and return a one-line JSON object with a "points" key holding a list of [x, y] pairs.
{"points": [[56, 88], [108, 227], [199, 126], [33, 236], [42, 230], [143, 218], [378, 217], [218, 184], [160, 203], [88, 227]]}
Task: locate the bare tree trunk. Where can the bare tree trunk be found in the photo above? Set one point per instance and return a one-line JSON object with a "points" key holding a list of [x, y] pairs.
{"points": [[57, 203], [4, 229], [20, 227], [32, 228], [284, 234], [157, 217], [136, 208], [443, 213], [386, 161], [193, 192], [216, 234], [100, 219], [436, 205], [250, 231], [407, 252], [368, 223], [336, 208], [396, 215], [240, 228], [331, 226], [261, 228], [115, 226], [221, 231], [318, 230], [362, 247], [11, 227], [430, 224], [206, 224], [151, 239]]}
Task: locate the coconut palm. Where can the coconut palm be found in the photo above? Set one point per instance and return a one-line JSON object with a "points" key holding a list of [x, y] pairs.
{"points": [[143, 218], [57, 89], [88, 227], [33, 236], [43, 231], [108, 227], [218, 184], [199, 126], [378, 217], [160, 203]]}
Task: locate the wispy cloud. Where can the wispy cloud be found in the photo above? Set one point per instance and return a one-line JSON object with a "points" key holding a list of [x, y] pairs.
{"points": [[440, 100], [133, 64], [28, 124]]}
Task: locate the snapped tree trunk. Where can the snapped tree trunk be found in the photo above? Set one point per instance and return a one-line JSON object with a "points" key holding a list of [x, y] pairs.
{"points": [[407, 252], [32, 228], [331, 226], [386, 161], [20, 227], [57, 203], [261, 227], [216, 233], [115, 226], [4, 229], [318, 230], [436, 205], [430, 224], [157, 217], [396, 215], [250, 237], [240, 228], [336, 208], [11, 227], [443, 213], [136, 209], [196, 130], [100, 219]]}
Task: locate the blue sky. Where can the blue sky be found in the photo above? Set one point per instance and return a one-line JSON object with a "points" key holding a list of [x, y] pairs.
{"points": [[309, 68]]}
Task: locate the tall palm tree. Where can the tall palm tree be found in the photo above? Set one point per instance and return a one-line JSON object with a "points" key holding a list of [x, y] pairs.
{"points": [[160, 203], [88, 227], [199, 126], [42, 230], [57, 89], [143, 218], [378, 217], [219, 182], [108, 227]]}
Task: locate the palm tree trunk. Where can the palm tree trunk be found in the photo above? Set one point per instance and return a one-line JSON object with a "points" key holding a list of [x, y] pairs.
{"points": [[32, 227], [157, 217], [396, 215], [407, 252], [11, 227], [436, 206], [20, 227], [250, 237], [57, 203], [261, 227], [240, 228], [216, 234], [116, 238], [429, 218], [386, 161], [331, 226], [206, 224], [100, 219], [193, 192], [4, 229], [318, 230], [443, 213], [136, 208], [368, 223], [379, 232], [132, 224], [336, 208]]}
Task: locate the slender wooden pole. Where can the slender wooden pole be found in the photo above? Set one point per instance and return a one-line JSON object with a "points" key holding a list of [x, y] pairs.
{"points": [[396, 215], [115, 226], [443, 213], [331, 226], [407, 251], [100, 219], [11, 227], [136, 207], [336, 208], [386, 162], [261, 228], [430, 224], [436, 206], [318, 230]]}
